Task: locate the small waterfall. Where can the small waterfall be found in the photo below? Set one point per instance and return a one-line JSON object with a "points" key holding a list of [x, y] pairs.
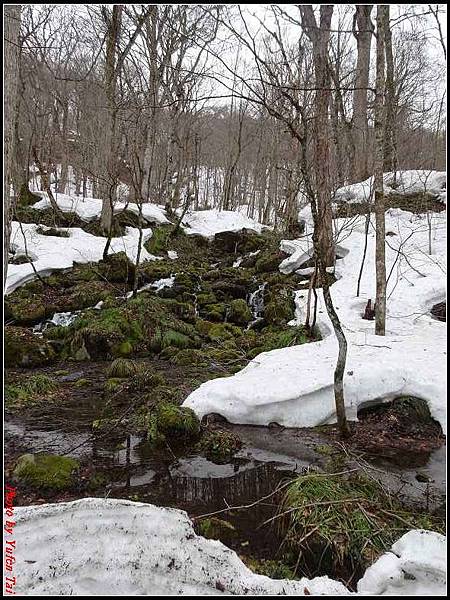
{"points": [[256, 301]]}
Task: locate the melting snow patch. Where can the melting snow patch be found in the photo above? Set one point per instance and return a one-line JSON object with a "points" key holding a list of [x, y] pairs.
{"points": [[209, 222], [100, 546], [294, 386], [58, 253]]}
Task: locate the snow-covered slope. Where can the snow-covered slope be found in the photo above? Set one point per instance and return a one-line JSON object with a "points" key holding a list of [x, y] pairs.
{"points": [[91, 208], [100, 546], [209, 222], [294, 386], [404, 182], [52, 253]]}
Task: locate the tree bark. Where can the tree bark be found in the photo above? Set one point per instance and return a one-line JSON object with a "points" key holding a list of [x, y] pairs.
{"points": [[11, 39], [380, 233], [320, 37], [390, 141], [108, 182], [362, 30]]}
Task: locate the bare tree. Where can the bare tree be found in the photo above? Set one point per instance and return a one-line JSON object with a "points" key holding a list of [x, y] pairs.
{"points": [[11, 29]]}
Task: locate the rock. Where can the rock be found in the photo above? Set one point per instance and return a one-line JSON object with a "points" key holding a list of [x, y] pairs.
{"points": [[117, 268], [24, 349], [170, 421], [46, 471], [240, 312]]}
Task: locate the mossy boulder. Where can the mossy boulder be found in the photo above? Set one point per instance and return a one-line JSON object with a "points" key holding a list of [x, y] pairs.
{"points": [[228, 290], [223, 331], [169, 421], [214, 312], [280, 308], [117, 268], [240, 312], [46, 471], [220, 445], [268, 261], [24, 349]]}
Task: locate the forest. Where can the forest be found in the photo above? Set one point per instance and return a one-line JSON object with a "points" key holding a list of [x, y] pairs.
{"points": [[224, 299]]}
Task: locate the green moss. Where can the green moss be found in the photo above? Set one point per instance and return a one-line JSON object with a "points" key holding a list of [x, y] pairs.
{"points": [[23, 349], [219, 445], [28, 389], [159, 241], [113, 384], [268, 261], [81, 383], [169, 421], [146, 380], [223, 331], [46, 471], [203, 327], [214, 528], [122, 368], [275, 569], [190, 356], [117, 268], [280, 308], [240, 313]]}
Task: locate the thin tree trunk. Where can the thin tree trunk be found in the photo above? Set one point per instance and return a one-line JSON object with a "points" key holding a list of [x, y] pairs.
{"points": [[362, 30], [380, 230]]}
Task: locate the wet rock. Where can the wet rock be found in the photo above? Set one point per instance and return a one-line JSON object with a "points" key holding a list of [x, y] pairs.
{"points": [[23, 349], [170, 421], [117, 268], [46, 471], [239, 312]]}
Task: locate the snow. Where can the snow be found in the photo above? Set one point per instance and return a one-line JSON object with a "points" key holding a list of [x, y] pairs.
{"points": [[52, 253], [406, 182], [294, 386], [89, 209], [172, 254], [97, 546], [100, 546], [415, 566], [209, 222]]}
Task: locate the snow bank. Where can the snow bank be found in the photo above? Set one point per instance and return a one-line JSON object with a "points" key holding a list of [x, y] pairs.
{"points": [[294, 386], [209, 222], [404, 182], [415, 566], [100, 546], [52, 253], [89, 209]]}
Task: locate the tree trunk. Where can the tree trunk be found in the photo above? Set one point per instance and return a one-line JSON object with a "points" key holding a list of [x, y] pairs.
{"points": [[320, 37], [108, 178], [380, 235], [390, 142], [362, 30], [11, 39]]}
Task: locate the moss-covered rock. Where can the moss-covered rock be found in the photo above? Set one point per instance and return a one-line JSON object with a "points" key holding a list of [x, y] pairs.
{"points": [[46, 471], [117, 268], [219, 445], [170, 421], [280, 308], [24, 349], [223, 331], [190, 356], [240, 312], [268, 261], [214, 312]]}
